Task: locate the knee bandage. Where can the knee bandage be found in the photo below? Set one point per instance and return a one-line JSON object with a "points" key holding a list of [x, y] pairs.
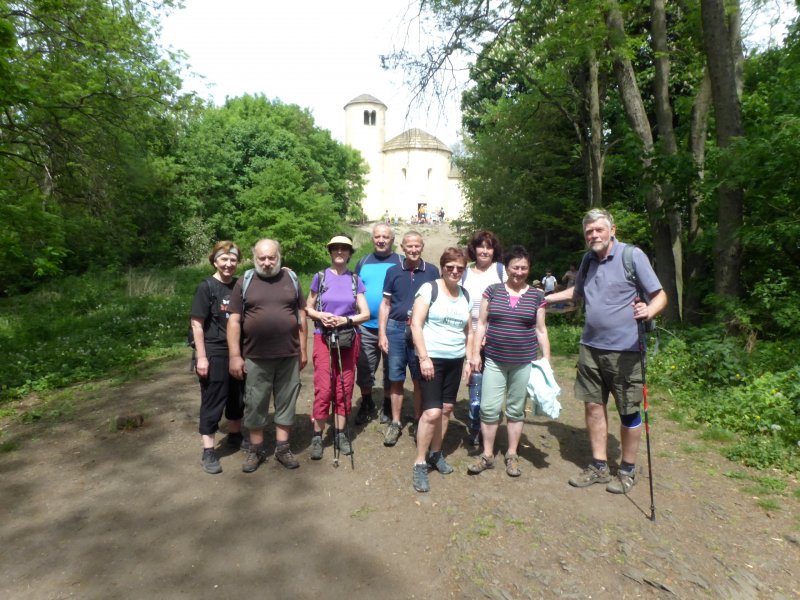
{"points": [[631, 421]]}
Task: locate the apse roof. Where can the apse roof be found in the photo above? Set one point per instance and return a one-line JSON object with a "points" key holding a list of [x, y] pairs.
{"points": [[415, 139]]}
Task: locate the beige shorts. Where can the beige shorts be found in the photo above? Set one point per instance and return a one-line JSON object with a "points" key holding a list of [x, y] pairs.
{"points": [[601, 372]]}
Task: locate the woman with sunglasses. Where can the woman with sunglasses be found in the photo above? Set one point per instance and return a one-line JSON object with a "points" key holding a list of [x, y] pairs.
{"points": [[442, 333], [512, 320], [335, 303]]}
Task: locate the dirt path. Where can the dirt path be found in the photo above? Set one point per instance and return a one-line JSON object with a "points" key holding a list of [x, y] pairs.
{"points": [[93, 513]]}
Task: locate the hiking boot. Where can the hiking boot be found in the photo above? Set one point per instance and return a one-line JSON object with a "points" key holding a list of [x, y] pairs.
{"points": [[210, 461], [254, 457], [623, 483], [316, 447], [234, 440], [365, 411], [481, 464], [512, 465], [436, 461], [392, 433], [412, 429], [420, 478], [590, 475], [284, 456], [344, 444], [386, 413]]}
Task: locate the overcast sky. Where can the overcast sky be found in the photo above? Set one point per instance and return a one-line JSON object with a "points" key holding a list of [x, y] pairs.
{"points": [[318, 54]]}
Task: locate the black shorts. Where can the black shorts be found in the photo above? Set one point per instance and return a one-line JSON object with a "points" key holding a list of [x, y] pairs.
{"points": [[219, 391], [443, 388]]}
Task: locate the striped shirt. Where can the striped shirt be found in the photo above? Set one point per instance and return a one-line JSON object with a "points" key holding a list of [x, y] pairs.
{"points": [[511, 332]]}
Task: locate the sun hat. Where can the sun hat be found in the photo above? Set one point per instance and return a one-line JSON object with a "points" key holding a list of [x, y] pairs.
{"points": [[340, 239]]}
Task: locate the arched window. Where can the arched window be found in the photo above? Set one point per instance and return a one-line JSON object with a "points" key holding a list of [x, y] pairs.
{"points": [[429, 173], [372, 118], [405, 175], [366, 117]]}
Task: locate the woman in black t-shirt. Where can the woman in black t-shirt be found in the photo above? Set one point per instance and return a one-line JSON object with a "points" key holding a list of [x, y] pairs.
{"points": [[218, 390]]}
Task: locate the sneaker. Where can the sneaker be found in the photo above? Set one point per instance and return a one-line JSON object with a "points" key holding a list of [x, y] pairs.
{"points": [[386, 413], [365, 411], [211, 461], [590, 475], [436, 461], [316, 447], [420, 478], [344, 444], [392, 433], [254, 457], [623, 483], [480, 465], [512, 465], [234, 440], [284, 456]]}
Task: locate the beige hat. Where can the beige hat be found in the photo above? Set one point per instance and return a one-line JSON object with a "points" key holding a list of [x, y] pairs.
{"points": [[341, 239]]}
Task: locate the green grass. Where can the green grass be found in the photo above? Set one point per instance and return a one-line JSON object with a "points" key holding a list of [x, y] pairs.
{"points": [[715, 433], [99, 325], [769, 504]]}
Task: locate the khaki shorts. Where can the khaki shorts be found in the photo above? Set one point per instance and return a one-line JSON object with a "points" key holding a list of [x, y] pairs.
{"points": [[278, 377], [601, 372]]}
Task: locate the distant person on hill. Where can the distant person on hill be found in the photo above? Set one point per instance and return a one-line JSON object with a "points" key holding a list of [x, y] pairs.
{"points": [[399, 288], [570, 276], [487, 268], [218, 390], [267, 342], [337, 305], [549, 282], [609, 361], [372, 270]]}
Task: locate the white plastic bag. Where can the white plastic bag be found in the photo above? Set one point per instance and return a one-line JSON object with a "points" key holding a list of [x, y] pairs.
{"points": [[543, 390]]}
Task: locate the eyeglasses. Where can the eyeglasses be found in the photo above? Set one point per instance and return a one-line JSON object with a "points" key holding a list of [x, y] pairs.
{"points": [[453, 268]]}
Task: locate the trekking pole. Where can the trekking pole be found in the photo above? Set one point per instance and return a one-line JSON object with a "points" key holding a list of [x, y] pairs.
{"points": [[346, 412], [643, 355], [333, 400]]}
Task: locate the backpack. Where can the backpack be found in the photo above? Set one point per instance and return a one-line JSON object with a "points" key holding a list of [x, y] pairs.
{"points": [[248, 277], [630, 275]]}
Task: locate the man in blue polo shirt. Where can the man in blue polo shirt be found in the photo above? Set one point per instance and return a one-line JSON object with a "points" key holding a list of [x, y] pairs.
{"points": [[372, 270], [399, 288], [609, 360]]}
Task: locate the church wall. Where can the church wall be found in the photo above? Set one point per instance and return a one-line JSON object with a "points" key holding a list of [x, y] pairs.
{"points": [[413, 177]]}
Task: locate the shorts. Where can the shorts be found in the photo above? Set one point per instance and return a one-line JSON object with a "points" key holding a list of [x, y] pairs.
{"points": [[443, 388], [601, 372], [504, 381], [368, 359], [401, 355], [278, 376], [219, 391]]}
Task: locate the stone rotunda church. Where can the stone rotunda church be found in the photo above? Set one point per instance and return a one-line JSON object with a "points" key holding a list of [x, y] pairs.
{"points": [[410, 175]]}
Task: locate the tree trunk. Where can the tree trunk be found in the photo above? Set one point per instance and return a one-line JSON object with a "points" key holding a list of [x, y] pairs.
{"points": [[719, 44], [666, 134], [696, 269], [596, 159], [637, 119]]}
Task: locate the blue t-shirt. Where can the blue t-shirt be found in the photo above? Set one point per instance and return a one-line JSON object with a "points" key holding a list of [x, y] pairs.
{"points": [[337, 298], [401, 285], [443, 330], [372, 270], [609, 297]]}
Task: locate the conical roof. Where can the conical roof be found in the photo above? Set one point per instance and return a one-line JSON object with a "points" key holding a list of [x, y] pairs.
{"points": [[415, 139], [365, 99]]}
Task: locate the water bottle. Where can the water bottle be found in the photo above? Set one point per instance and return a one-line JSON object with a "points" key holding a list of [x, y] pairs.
{"points": [[475, 383]]}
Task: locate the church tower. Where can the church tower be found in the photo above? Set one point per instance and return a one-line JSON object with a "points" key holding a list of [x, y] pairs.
{"points": [[365, 131]]}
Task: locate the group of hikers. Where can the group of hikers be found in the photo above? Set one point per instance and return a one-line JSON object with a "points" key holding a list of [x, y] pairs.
{"points": [[473, 318]]}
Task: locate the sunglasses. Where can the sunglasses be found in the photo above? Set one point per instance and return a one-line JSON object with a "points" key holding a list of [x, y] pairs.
{"points": [[453, 268], [339, 248]]}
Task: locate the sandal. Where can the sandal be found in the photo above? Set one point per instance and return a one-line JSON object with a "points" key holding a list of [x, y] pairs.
{"points": [[512, 465], [482, 464]]}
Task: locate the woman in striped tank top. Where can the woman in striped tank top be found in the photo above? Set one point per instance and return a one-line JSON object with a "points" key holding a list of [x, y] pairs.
{"points": [[512, 319]]}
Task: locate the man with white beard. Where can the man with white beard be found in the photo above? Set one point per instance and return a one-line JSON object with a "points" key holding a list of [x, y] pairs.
{"points": [[267, 342]]}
